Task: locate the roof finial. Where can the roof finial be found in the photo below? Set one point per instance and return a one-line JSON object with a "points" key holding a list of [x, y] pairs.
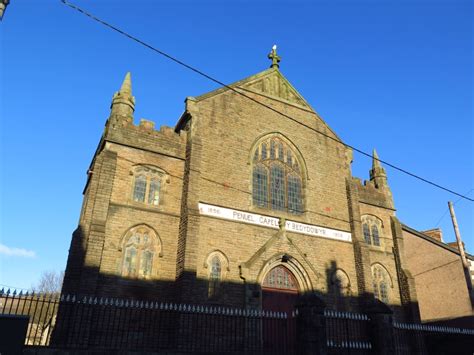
{"points": [[274, 57]]}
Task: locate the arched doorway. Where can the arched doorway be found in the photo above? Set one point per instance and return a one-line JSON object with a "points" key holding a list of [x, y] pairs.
{"points": [[279, 290], [279, 294]]}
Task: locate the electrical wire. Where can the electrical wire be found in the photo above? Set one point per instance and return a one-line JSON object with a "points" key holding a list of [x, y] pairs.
{"points": [[447, 209], [199, 72]]}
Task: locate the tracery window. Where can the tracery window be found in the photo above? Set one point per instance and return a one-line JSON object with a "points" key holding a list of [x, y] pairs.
{"points": [[277, 178], [217, 265], [381, 283], [139, 249], [280, 277], [371, 228], [147, 185]]}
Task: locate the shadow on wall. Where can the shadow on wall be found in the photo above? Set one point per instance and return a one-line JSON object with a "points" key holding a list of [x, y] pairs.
{"points": [[81, 280]]}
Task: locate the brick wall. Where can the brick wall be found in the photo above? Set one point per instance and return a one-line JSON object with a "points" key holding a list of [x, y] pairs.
{"points": [[439, 278]]}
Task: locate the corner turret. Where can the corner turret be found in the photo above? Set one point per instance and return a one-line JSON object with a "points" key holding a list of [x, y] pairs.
{"points": [[123, 102], [377, 173]]}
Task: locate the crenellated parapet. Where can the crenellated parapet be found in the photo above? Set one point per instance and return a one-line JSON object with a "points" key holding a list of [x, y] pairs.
{"points": [[371, 194], [121, 129], [144, 136]]}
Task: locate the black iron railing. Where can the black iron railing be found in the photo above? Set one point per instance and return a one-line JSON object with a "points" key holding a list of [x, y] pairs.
{"points": [[68, 322], [347, 331], [88, 323]]}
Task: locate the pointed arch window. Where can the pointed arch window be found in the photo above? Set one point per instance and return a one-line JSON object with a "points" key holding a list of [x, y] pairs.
{"points": [[147, 185], [217, 266], [381, 283], [280, 277], [140, 249], [371, 228], [277, 178]]}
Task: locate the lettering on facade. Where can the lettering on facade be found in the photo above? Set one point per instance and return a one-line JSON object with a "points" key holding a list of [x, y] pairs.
{"points": [[272, 222]]}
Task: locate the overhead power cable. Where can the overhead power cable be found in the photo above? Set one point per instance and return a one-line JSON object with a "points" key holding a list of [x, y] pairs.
{"points": [[447, 209], [199, 72]]}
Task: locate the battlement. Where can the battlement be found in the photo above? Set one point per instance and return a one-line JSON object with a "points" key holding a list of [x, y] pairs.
{"points": [[144, 136], [370, 194]]}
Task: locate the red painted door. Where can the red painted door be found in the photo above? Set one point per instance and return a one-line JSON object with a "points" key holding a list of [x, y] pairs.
{"points": [[279, 294]]}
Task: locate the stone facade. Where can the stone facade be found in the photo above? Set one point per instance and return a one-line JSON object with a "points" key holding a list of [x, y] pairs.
{"points": [[208, 158]]}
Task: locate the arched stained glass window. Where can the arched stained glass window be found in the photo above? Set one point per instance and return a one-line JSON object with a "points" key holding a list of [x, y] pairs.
{"points": [[147, 184], [277, 180], [381, 282], [139, 249], [371, 228], [280, 277]]}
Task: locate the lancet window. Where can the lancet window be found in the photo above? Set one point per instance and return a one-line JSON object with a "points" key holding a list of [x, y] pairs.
{"points": [[277, 177], [217, 266]]}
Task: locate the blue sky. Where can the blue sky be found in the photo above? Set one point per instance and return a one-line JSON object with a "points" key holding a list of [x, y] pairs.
{"points": [[394, 75]]}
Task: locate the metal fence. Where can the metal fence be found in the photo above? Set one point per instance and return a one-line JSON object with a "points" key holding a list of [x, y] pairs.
{"points": [[88, 323], [67, 322], [431, 339], [347, 332]]}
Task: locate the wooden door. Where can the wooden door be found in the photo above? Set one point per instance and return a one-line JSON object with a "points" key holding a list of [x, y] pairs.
{"points": [[279, 294]]}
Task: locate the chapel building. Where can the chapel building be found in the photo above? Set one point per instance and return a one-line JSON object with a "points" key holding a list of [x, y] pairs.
{"points": [[248, 201]]}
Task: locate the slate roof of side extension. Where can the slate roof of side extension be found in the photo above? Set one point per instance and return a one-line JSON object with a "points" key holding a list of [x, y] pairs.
{"points": [[256, 85], [434, 241]]}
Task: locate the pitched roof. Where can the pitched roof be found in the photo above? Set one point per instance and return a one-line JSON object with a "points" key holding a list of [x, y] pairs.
{"points": [[271, 83]]}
